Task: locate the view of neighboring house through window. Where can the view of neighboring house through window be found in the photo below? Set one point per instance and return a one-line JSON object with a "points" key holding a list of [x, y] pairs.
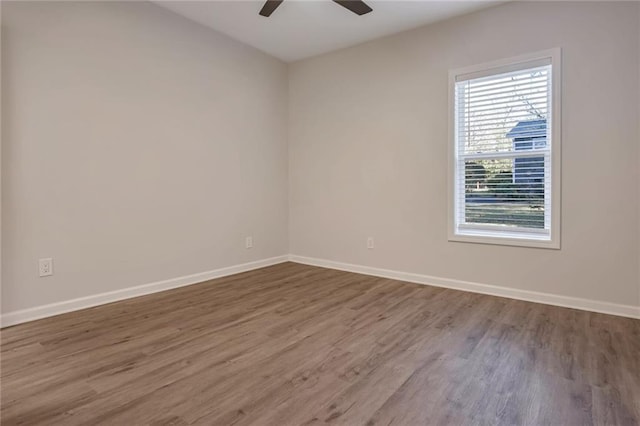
{"points": [[504, 140]]}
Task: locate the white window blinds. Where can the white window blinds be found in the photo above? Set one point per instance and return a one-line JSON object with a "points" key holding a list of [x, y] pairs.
{"points": [[503, 152]]}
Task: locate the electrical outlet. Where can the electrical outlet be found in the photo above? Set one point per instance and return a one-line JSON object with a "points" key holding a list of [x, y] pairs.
{"points": [[370, 244], [248, 242], [46, 267]]}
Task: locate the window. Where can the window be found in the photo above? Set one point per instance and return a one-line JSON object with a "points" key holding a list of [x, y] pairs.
{"points": [[505, 152]]}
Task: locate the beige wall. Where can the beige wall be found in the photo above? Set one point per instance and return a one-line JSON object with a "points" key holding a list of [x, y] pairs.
{"points": [[368, 141], [137, 146]]}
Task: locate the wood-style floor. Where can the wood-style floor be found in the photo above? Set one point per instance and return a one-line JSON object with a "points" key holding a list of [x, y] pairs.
{"points": [[299, 345]]}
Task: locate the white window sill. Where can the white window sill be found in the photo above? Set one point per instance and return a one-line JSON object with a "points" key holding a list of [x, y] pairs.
{"points": [[505, 239]]}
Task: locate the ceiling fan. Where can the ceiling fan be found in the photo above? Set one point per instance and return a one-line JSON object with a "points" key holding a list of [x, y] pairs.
{"points": [[356, 6]]}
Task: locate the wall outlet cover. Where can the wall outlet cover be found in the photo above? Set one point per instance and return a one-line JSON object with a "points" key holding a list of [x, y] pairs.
{"points": [[45, 267]]}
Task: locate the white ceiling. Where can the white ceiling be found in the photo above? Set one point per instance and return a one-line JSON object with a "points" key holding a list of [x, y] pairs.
{"points": [[303, 28]]}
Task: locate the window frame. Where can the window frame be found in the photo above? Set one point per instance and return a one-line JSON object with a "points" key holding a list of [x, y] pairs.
{"points": [[483, 234]]}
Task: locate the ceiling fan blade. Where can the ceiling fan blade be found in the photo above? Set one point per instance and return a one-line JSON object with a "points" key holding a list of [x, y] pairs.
{"points": [[356, 6], [269, 7]]}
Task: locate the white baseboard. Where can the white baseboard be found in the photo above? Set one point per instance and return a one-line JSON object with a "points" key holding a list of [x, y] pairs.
{"points": [[24, 315], [529, 296]]}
